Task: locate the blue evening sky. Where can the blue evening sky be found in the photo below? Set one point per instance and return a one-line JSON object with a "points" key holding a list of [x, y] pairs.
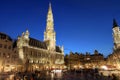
{"points": [[80, 25]]}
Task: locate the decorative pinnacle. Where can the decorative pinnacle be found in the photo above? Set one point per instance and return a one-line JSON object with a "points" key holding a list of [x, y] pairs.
{"points": [[50, 15], [115, 23], [50, 9]]}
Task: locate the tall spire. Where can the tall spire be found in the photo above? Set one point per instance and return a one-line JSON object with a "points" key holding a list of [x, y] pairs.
{"points": [[50, 6], [49, 34], [50, 23], [115, 23]]}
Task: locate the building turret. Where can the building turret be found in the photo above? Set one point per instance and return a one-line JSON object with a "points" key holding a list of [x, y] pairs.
{"points": [[116, 34], [27, 34], [21, 42], [62, 49]]}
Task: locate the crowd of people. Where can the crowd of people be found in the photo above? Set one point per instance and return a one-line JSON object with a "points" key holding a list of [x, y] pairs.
{"points": [[89, 74], [85, 74]]}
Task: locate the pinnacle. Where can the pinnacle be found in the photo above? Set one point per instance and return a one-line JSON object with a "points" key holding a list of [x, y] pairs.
{"points": [[115, 23]]}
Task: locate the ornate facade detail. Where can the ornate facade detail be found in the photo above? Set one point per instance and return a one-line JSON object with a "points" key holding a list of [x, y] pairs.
{"points": [[41, 53], [80, 60], [114, 59], [33, 54], [21, 42], [8, 54], [49, 34], [116, 35]]}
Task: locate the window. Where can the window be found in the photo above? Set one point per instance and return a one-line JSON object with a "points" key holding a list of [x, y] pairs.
{"points": [[0, 45], [5, 46], [6, 40], [3, 54], [9, 47], [3, 37], [24, 49]]}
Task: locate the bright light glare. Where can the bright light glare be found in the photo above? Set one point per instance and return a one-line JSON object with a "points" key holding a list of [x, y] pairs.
{"points": [[57, 71], [104, 67]]}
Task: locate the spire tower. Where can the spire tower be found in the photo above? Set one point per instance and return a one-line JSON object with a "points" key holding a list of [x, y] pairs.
{"points": [[50, 22], [49, 34], [115, 23], [116, 34]]}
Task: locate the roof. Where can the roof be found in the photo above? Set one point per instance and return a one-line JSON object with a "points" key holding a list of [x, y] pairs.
{"points": [[40, 44], [99, 54], [5, 36], [58, 49], [37, 43]]}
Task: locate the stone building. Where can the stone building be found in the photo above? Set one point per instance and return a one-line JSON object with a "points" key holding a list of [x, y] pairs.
{"points": [[8, 55], [40, 55], [27, 53], [79, 60], [114, 58], [116, 35]]}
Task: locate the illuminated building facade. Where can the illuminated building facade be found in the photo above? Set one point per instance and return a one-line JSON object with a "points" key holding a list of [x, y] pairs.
{"points": [[27, 53], [79, 60], [114, 58], [8, 55], [76, 60], [37, 54], [116, 35]]}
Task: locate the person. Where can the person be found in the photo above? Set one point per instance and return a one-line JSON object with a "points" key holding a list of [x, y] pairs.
{"points": [[31, 78], [114, 77], [109, 77], [102, 76]]}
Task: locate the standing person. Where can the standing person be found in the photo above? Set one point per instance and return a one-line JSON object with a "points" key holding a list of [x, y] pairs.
{"points": [[31, 78], [109, 77], [114, 77], [102, 76]]}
